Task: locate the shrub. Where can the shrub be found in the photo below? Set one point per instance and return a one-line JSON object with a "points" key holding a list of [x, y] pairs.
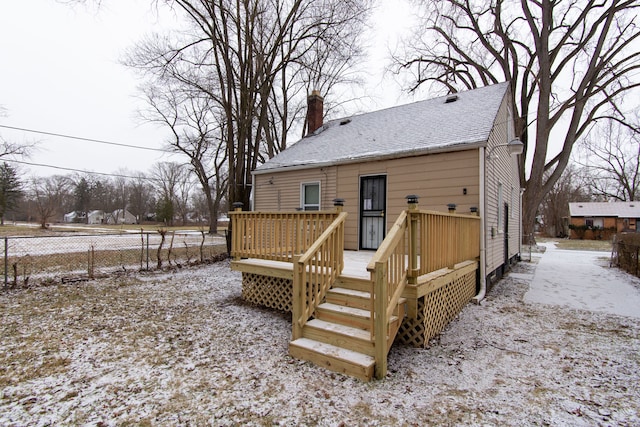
{"points": [[628, 249], [578, 230]]}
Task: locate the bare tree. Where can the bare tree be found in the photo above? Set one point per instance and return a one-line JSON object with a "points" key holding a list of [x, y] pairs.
{"points": [[197, 134], [48, 195], [141, 200], [555, 205], [184, 195], [168, 177], [11, 150], [245, 56], [569, 63], [611, 156]]}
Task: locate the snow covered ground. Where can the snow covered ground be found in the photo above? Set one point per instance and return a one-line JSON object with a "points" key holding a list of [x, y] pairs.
{"points": [[580, 279], [183, 349]]}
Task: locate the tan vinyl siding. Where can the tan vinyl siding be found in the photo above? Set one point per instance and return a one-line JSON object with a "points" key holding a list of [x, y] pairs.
{"points": [[281, 191], [438, 179], [502, 170]]}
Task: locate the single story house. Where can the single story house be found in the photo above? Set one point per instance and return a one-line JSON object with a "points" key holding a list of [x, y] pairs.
{"points": [[120, 216], [599, 220], [95, 217], [71, 217], [432, 187], [450, 150]]}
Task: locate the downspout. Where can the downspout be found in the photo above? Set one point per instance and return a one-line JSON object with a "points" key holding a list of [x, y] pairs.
{"points": [[252, 194], [483, 209], [520, 224]]}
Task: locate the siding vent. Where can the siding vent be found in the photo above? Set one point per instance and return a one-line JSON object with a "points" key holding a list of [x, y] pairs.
{"points": [[451, 98]]}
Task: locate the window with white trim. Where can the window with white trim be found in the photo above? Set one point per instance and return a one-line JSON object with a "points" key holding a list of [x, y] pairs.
{"points": [[310, 196]]}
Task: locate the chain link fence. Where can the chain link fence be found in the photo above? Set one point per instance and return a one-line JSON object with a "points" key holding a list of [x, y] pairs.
{"points": [[51, 259]]}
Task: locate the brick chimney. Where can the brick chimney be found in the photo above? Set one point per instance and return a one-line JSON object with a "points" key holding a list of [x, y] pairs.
{"points": [[314, 112]]}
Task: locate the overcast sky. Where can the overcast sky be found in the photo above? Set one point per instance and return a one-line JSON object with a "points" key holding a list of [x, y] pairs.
{"points": [[60, 73]]}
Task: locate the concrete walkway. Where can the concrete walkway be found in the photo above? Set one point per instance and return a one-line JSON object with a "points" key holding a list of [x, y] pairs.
{"points": [[583, 280]]}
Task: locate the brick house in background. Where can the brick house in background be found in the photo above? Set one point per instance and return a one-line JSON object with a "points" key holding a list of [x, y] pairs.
{"points": [[600, 220]]}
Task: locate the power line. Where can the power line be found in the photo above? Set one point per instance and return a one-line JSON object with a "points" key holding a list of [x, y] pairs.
{"points": [[116, 175], [79, 138]]}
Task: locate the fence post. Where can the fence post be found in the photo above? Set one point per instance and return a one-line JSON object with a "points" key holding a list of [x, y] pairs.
{"points": [[90, 257], [6, 261], [147, 251]]}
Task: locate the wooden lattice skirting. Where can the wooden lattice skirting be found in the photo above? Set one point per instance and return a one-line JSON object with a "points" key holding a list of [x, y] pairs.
{"points": [[267, 291], [436, 309]]}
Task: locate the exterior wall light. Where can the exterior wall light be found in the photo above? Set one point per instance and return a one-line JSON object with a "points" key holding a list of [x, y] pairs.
{"points": [[515, 148]]}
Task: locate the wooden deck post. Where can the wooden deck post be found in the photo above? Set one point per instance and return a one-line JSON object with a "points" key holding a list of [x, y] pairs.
{"points": [[338, 248], [380, 320], [234, 226], [412, 274], [338, 204], [296, 306]]}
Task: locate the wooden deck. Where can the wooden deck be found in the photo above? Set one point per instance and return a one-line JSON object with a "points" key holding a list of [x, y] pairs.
{"points": [[348, 307]]}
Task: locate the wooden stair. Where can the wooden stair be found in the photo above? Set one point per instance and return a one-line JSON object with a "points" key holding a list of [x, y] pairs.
{"points": [[338, 337]]}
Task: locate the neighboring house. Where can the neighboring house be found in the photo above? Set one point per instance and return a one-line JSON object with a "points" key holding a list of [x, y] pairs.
{"points": [[95, 217], [599, 220], [70, 217], [447, 150], [75, 216], [120, 217]]}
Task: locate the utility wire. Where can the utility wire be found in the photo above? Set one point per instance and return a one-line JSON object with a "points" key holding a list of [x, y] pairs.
{"points": [[80, 170], [79, 138]]}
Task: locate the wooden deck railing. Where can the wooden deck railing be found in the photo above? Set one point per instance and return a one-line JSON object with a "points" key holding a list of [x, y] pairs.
{"points": [[315, 272], [418, 243], [276, 236], [446, 239]]}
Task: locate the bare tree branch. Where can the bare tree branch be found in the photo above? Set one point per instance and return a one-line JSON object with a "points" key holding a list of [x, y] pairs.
{"points": [[569, 62]]}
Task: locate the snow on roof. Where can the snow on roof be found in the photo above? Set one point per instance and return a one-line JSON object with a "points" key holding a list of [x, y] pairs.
{"points": [[401, 131], [601, 209]]}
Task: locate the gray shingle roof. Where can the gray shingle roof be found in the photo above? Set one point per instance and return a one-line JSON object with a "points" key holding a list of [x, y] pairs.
{"points": [[605, 209], [400, 131]]}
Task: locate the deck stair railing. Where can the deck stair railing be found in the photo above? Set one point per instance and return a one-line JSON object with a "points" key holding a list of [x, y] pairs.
{"points": [[419, 242], [315, 271], [388, 269]]}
